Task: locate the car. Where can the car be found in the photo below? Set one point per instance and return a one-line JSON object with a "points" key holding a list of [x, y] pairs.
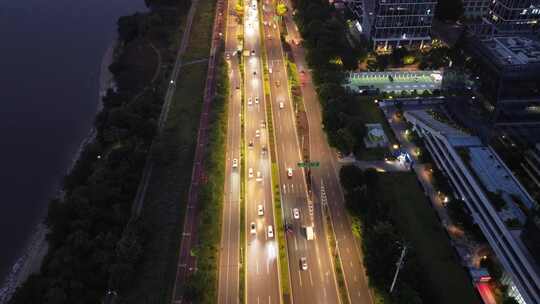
{"points": [[289, 172], [263, 124], [270, 70], [252, 52], [260, 210], [254, 72], [270, 231], [296, 213], [250, 172], [278, 83], [257, 133], [264, 150], [250, 144], [228, 56], [238, 87], [274, 26], [250, 101], [281, 105], [303, 263], [302, 72], [253, 228], [235, 163], [259, 176], [256, 100]]}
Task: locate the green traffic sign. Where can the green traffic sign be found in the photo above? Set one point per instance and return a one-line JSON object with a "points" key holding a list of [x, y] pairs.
{"points": [[309, 164]]}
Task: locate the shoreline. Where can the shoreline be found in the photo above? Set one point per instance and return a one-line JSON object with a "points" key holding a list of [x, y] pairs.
{"points": [[36, 247]]}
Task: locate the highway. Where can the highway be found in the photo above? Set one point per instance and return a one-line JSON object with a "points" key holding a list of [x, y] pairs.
{"points": [[327, 176], [317, 283], [229, 259], [262, 274]]}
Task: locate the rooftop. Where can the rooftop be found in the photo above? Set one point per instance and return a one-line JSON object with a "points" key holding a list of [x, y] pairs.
{"points": [[513, 50]]}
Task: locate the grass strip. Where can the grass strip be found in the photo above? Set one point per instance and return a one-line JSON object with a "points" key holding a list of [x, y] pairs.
{"points": [[282, 243], [211, 196], [242, 283]]}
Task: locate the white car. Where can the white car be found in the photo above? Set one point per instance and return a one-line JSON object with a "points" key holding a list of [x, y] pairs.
{"points": [[259, 176], [250, 101], [281, 105], [289, 172], [253, 228], [257, 133], [256, 100], [260, 210], [270, 70], [250, 172], [303, 263], [296, 213], [263, 124], [235, 163], [270, 231]]}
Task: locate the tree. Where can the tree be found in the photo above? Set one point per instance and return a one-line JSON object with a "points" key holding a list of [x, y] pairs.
{"points": [[351, 177], [281, 9], [239, 9], [449, 10], [509, 300]]}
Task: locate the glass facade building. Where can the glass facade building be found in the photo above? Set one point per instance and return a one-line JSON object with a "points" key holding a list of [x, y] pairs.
{"points": [[514, 16], [391, 23]]}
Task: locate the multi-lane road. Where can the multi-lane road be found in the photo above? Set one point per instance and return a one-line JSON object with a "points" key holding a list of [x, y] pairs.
{"points": [[314, 282], [327, 176], [229, 259], [317, 283], [262, 276]]}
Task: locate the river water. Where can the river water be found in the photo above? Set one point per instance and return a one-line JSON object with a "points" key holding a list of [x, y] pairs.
{"points": [[50, 57]]}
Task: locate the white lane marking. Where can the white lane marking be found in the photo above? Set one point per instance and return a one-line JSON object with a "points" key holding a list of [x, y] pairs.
{"points": [[269, 299], [355, 278], [257, 266], [310, 278], [258, 300], [267, 266], [295, 244], [300, 278]]}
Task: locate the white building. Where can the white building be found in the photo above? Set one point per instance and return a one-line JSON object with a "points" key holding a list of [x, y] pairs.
{"points": [[479, 177]]}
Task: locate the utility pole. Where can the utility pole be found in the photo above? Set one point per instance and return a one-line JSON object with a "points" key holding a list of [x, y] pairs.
{"points": [[398, 267]]}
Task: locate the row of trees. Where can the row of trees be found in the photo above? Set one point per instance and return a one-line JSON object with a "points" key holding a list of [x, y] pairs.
{"points": [[94, 244], [330, 55], [381, 240]]}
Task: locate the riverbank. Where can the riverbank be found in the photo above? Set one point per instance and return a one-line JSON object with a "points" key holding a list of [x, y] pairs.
{"points": [[33, 253]]}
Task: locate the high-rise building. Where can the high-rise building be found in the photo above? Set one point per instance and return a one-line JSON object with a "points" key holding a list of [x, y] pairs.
{"points": [[391, 23], [513, 16], [509, 78], [475, 8]]}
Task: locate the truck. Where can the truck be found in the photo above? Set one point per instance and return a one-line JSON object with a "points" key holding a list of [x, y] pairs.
{"points": [[310, 234]]}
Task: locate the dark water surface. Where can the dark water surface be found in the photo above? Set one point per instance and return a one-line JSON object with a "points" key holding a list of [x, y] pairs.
{"points": [[50, 57]]}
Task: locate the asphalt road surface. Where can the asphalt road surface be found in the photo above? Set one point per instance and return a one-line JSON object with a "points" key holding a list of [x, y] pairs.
{"points": [[229, 259], [262, 276], [327, 175], [317, 283]]}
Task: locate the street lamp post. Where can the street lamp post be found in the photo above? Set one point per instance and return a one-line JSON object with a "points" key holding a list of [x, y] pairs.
{"points": [[398, 267]]}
